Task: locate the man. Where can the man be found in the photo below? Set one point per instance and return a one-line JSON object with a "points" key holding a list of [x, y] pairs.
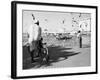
{"points": [[34, 35], [79, 35]]}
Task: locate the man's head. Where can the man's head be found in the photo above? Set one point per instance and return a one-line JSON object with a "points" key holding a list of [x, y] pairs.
{"points": [[79, 31], [33, 16], [37, 22]]}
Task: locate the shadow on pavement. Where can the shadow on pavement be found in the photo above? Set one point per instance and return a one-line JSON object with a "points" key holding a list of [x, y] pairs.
{"points": [[56, 54]]}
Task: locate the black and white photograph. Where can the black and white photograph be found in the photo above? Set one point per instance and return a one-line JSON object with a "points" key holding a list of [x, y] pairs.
{"points": [[54, 39]]}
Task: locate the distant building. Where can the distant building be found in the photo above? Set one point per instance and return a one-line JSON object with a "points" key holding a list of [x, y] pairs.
{"points": [[85, 24]]}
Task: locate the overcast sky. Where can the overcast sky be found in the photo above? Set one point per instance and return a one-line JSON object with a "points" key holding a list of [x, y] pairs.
{"points": [[53, 21]]}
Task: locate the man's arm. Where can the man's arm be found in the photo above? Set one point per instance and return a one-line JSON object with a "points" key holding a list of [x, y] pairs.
{"points": [[47, 50]]}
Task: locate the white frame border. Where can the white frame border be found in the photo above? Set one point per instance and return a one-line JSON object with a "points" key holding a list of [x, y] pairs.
{"points": [[51, 71]]}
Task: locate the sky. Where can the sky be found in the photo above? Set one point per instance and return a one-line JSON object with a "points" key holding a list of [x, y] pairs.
{"points": [[53, 21]]}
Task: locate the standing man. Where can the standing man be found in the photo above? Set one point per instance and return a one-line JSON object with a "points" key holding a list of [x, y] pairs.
{"points": [[34, 35], [79, 35]]}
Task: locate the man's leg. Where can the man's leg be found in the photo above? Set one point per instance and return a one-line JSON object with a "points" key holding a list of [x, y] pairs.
{"points": [[32, 56], [34, 51], [80, 42], [38, 48]]}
